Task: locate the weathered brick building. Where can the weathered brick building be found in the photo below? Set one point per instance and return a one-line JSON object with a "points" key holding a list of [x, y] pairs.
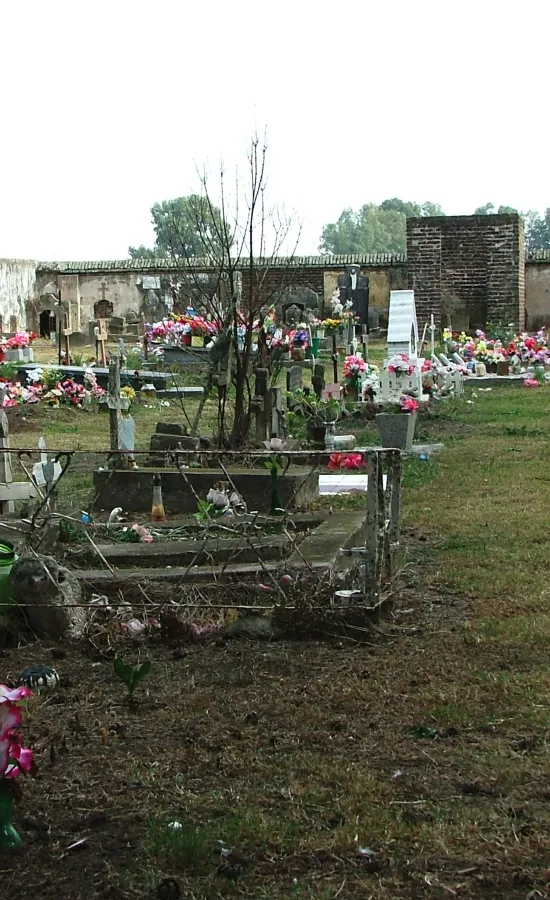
{"points": [[470, 269]]}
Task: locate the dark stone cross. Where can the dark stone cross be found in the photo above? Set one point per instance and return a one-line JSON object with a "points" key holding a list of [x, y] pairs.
{"points": [[318, 380]]}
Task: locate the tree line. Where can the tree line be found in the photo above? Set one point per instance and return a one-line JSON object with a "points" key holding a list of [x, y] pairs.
{"points": [[188, 224]]}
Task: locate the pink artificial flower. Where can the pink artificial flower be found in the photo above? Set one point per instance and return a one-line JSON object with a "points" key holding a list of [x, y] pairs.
{"points": [[345, 461], [13, 695], [23, 757], [353, 366], [335, 461], [10, 718], [352, 461], [409, 404], [4, 756], [530, 382]]}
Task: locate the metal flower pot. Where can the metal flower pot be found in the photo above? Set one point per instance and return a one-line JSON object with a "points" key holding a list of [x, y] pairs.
{"points": [[396, 430]]}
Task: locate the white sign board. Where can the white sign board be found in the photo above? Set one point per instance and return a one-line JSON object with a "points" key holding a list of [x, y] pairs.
{"points": [[151, 282], [402, 324]]}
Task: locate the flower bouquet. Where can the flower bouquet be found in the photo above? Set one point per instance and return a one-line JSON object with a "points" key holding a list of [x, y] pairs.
{"points": [[18, 347], [400, 365], [354, 367]]}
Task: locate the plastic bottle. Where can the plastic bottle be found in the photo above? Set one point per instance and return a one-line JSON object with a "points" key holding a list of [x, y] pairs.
{"points": [[157, 511]]}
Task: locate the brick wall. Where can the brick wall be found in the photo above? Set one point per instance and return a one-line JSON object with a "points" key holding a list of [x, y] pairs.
{"points": [[471, 267], [537, 290]]}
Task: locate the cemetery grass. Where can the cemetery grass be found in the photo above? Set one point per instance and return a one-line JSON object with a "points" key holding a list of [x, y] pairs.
{"points": [[426, 744]]}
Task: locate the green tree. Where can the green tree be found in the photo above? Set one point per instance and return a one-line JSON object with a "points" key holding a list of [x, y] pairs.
{"points": [[143, 252], [185, 228], [537, 226], [537, 230], [489, 209], [374, 228]]}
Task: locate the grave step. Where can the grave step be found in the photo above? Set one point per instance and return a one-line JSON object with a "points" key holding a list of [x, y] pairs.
{"points": [[182, 553]]}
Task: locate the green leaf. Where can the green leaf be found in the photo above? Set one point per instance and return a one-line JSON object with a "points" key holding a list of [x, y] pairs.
{"points": [[131, 675], [123, 670], [139, 673]]}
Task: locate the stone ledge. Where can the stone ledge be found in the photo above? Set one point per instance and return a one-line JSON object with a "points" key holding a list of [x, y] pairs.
{"points": [[132, 489]]}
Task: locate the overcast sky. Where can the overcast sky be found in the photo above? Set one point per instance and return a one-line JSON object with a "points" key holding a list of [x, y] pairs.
{"points": [[107, 107]]}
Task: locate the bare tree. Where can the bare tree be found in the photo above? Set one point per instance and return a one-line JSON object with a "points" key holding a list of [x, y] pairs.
{"points": [[240, 250]]}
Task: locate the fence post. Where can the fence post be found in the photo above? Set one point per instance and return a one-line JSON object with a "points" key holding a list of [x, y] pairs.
{"points": [[371, 529]]}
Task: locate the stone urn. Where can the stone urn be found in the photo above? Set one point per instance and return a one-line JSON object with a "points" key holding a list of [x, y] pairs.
{"points": [[503, 368], [396, 430], [298, 353]]}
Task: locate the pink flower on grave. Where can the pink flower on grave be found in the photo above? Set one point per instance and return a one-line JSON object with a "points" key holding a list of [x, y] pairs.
{"points": [[408, 404], [10, 718], [530, 382], [23, 759], [143, 533], [345, 461], [13, 695]]}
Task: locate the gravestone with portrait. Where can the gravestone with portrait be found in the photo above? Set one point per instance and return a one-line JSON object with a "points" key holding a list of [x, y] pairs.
{"points": [[354, 288]]}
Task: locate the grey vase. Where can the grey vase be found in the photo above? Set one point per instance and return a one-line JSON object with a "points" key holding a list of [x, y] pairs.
{"points": [[396, 430]]}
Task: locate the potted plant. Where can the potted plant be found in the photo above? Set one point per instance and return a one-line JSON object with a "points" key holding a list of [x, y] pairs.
{"points": [[354, 366], [319, 413], [397, 423]]}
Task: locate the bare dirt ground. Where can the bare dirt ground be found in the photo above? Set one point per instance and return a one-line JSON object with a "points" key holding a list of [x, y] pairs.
{"points": [[298, 755]]}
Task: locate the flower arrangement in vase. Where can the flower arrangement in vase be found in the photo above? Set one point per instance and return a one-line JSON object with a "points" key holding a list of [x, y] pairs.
{"points": [[354, 366], [397, 422]]}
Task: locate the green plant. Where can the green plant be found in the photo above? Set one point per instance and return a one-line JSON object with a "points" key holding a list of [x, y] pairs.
{"points": [[206, 512], [131, 675], [186, 847], [133, 360], [77, 358], [326, 410], [8, 370], [51, 377]]}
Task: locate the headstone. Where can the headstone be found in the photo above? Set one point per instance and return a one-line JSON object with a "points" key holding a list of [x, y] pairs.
{"points": [[402, 324], [294, 382], [354, 292], [318, 379], [278, 423], [170, 428], [79, 339]]}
